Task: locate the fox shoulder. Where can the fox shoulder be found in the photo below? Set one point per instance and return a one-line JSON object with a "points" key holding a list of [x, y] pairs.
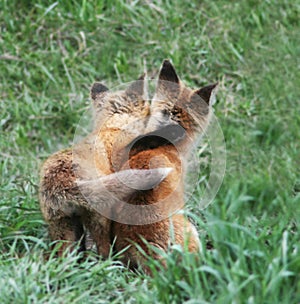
{"points": [[57, 183]]}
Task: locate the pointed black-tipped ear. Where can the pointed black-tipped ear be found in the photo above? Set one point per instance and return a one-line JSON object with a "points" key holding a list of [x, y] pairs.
{"points": [[168, 82], [138, 87], [207, 93], [97, 88], [167, 72]]}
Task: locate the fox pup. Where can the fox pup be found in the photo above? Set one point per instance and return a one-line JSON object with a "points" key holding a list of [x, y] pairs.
{"points": [[62, 201], [82, 184]]}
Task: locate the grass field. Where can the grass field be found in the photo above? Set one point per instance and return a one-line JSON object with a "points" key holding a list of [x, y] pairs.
{"points": [[51, 52]]}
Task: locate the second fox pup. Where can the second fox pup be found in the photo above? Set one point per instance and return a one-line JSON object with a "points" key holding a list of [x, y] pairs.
{"points": [[81, 184]]}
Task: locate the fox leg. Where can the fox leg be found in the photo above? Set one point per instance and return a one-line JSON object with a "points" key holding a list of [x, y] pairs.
{"points": [[135, 259], [61, 201], [185, 233], [68, 229], [99, 228]]}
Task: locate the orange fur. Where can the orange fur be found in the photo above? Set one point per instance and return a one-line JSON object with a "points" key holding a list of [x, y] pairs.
{"points": [[103, 154]]}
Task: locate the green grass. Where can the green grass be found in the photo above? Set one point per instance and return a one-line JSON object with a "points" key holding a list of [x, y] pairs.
{"points": [[50, 53]]}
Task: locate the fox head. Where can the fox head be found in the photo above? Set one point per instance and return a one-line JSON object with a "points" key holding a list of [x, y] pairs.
{"points": [[119, 117], [114, 110], [176, 114], [177, 109]]}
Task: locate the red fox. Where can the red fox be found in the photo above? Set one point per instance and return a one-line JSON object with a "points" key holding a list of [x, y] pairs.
{"points": [[131, 176]]}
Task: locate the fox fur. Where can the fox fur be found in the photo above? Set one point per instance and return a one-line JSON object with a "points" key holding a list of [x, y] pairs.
{"points": [[77, 184]]}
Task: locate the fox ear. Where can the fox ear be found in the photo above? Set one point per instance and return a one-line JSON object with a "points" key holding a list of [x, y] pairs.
{"points": [[138, 87], [97, 89], [167, 72], [207, 93], [168, 81]]}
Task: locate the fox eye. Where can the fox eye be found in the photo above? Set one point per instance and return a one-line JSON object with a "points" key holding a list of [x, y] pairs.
{"points": [[176, 114], [175, 111]]}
